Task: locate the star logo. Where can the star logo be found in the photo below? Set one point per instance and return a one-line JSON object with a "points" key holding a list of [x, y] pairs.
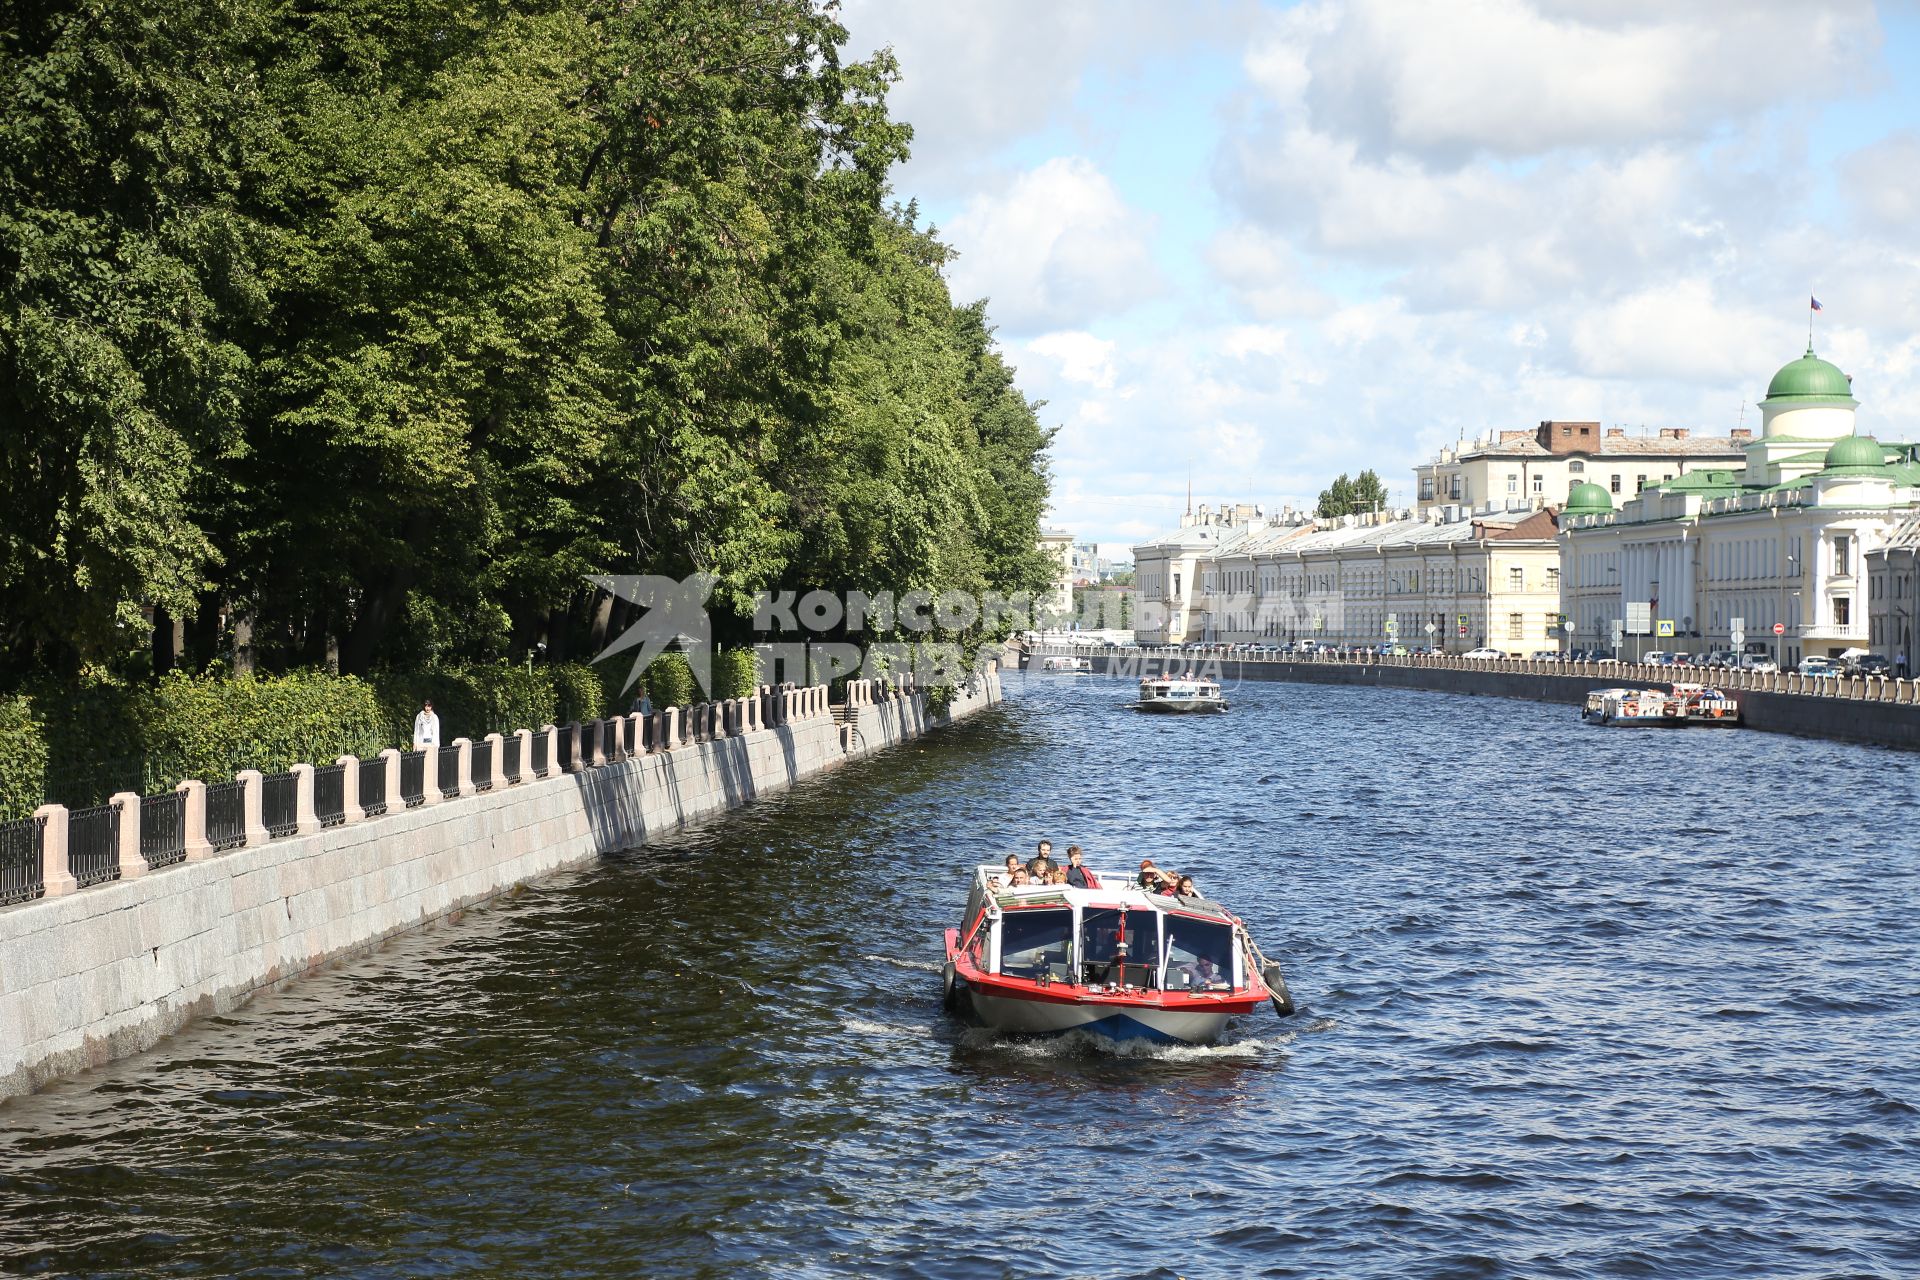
{"points": [[676, 613]]}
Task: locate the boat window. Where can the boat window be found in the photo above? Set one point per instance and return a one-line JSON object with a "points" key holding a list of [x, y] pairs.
{"points": [[1103, 960], [1037, 942], [1199, 953]]}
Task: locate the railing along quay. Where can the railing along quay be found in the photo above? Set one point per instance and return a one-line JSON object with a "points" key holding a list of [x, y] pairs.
{"points": [[1858, 688], [58, 851]]}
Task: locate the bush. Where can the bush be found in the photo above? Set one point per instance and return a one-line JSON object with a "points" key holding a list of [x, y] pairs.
{"points": [[736, 674], [940, 698], [578, 694], [669, 681], [23, 759]]}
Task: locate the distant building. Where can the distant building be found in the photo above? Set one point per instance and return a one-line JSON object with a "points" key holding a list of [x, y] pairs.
{"points": [[1786, 538], [1057, 544], [1527, 470]]}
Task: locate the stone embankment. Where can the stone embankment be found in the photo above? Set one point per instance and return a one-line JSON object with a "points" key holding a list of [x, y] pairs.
{"points": [[1868, 709], [89, 974]]}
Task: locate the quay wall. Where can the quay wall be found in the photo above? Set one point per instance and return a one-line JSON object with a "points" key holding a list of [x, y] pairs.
{"points": [[1863, 709], [97, 974]]}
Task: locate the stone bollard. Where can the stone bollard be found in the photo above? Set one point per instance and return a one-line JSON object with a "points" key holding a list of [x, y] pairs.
{"points": [[463, 767], [498, 777], [256, 827], [193, 821], [56, 876], [390, 760], [133, 864], [430, 776], [593, 742], [570, 736], [526, 753], [670, 733], [350, 810], [305, 820]]}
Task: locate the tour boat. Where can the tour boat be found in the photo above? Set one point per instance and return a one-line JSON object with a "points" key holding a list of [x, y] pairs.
{"points": [[1639, 708], [1687, 704], [1112, 961], [1070, 666], [1172, 695]]}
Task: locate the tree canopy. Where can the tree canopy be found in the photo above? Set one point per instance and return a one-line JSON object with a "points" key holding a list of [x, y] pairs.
{"points": [[1346, 497], [343, 329]]}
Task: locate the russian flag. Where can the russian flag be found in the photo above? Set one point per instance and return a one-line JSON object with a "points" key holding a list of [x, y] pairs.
{"points": [[1815, 302]]}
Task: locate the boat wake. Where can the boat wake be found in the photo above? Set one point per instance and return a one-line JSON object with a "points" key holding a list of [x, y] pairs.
{"points": [[918, 966], [867, 1027], [1082, 1044]]}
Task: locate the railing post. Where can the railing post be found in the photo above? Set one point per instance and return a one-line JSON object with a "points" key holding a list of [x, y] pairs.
{"points": [[305, 820], [430, 775], [350, 810], [463, 767], [672, 736], [132, 864], [256, 827], [575, 764], [499, 775], [525, 737], [390, 759], [56, 877], [193, 820], [594, 741]]}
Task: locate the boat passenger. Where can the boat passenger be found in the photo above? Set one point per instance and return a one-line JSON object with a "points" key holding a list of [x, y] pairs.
{"points": [[1058, 877], [1020, 878], [1149, 874], [1184, 888], [993, 884], [1168, 883], [1203, 973], [1013, 863], [1042, 863], [1077, 874]]}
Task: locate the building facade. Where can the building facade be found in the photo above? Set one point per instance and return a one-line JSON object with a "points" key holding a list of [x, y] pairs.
{"points": [[1056, 605], [1781, 541], [1490, 580], [1519, 470]]}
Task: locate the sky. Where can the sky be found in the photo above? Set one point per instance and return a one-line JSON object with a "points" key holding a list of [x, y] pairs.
{"points": [[1265, 243]]}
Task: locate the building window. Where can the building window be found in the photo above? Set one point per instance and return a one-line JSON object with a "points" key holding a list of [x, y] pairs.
{"points": [[1413, 579], [1639, 483], [1553, 577], [1539, 483], [1513, 484], [1615, 485], [1516, 626], [1842, 563], [1516, 579], [1577, 467], [1842, 611]]}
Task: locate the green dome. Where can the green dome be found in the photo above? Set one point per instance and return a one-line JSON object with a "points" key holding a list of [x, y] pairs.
{"points": [[1586, 499], [1855, 455], [1810, 378]]}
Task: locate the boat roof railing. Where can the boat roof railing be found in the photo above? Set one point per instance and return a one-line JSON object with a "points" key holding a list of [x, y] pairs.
{"points": [[1115, 889]]}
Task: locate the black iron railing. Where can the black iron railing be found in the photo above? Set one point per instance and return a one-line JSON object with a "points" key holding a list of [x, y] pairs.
{"points": [[413, 778], [566, 749], [226, 814], [163, 828], [542, 754], [510, 758], [93, 844], [373, 787], [280, 804], [449, 765], [609, 739], [20, 860], [483, 765], [330, 795], [630, 735]]}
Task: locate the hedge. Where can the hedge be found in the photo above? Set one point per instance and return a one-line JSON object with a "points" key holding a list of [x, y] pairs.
{"points": [[23, 759]]}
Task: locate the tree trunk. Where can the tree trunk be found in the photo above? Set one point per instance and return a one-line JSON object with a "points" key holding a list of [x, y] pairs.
{"points": [[243, 657]]}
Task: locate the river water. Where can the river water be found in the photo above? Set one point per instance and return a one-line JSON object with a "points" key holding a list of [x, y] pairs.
{"points": [[1573, 1002]]}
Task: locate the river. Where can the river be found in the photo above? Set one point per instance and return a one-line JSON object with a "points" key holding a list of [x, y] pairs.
{"points": [[1573, 1002]]}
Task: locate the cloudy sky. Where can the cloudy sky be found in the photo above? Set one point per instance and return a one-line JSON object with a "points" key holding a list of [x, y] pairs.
{"points": [[1272, 242]]}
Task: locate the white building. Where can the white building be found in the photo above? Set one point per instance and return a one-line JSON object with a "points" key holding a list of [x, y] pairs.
{"points": [[1781, 540], [1056, 605], [1527, 470]]}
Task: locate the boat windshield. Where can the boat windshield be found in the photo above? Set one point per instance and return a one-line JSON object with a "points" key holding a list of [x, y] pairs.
{"points": [[1104, 961], [1199, 954], [1037, 943]]}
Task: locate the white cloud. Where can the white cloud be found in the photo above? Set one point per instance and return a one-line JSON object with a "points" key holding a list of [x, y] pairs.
{"points": [[1883, 182], [1678, 330], [1264, 273], [1510, 78], [1058, 248], [1080, 357]]}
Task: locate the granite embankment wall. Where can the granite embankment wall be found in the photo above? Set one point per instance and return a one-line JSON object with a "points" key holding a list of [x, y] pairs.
{"points": [[1862, 709], [93, 975]]}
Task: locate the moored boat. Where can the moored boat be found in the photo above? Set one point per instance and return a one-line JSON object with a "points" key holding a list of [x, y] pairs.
{"points": [[1068, 666], [1700, 705], [1642, 708], [1111, 960], [1176, 695]]}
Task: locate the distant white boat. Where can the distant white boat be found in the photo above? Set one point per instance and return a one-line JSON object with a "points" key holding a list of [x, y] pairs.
{"points": [[1170, 695], [1068, 666]]}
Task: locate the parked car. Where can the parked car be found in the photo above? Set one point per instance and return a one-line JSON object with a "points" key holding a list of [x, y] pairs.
{"points": [[1822, 667], [1873, 664], [1758, 663], [1544, 655], [1484, 653]]}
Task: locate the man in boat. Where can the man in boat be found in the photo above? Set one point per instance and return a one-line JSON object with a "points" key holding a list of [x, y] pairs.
{"points": [[1203, 973], [1042, 865], [1077, 875]]}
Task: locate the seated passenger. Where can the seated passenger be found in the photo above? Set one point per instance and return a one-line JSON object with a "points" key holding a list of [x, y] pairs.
{"points": [[1203, 973], [1077, 875], [993, 884], [1058, 877], [1020, 878], [1149, 874], [1168, 883], [1183, 888], [1041, 865], [1013, 863]]}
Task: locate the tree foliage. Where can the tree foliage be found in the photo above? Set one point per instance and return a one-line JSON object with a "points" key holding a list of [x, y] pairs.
{"points": [[1346, 497], [360, 332]]}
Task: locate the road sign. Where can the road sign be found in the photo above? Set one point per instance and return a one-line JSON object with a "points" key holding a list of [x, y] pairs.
{"points": [[1431, 628], [1739, 637], [1665, 627], [1619, 630], [1779, 628], [1639, 617]]}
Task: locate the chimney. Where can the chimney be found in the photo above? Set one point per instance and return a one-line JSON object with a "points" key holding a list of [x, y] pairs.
{"points": [[1742, 433], [1616, 433], [1681, 433]]}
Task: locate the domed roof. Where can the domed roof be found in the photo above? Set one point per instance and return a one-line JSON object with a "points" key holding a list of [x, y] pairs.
{"points": [[1586, 499], [1856, 454], [1810, 378]]}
